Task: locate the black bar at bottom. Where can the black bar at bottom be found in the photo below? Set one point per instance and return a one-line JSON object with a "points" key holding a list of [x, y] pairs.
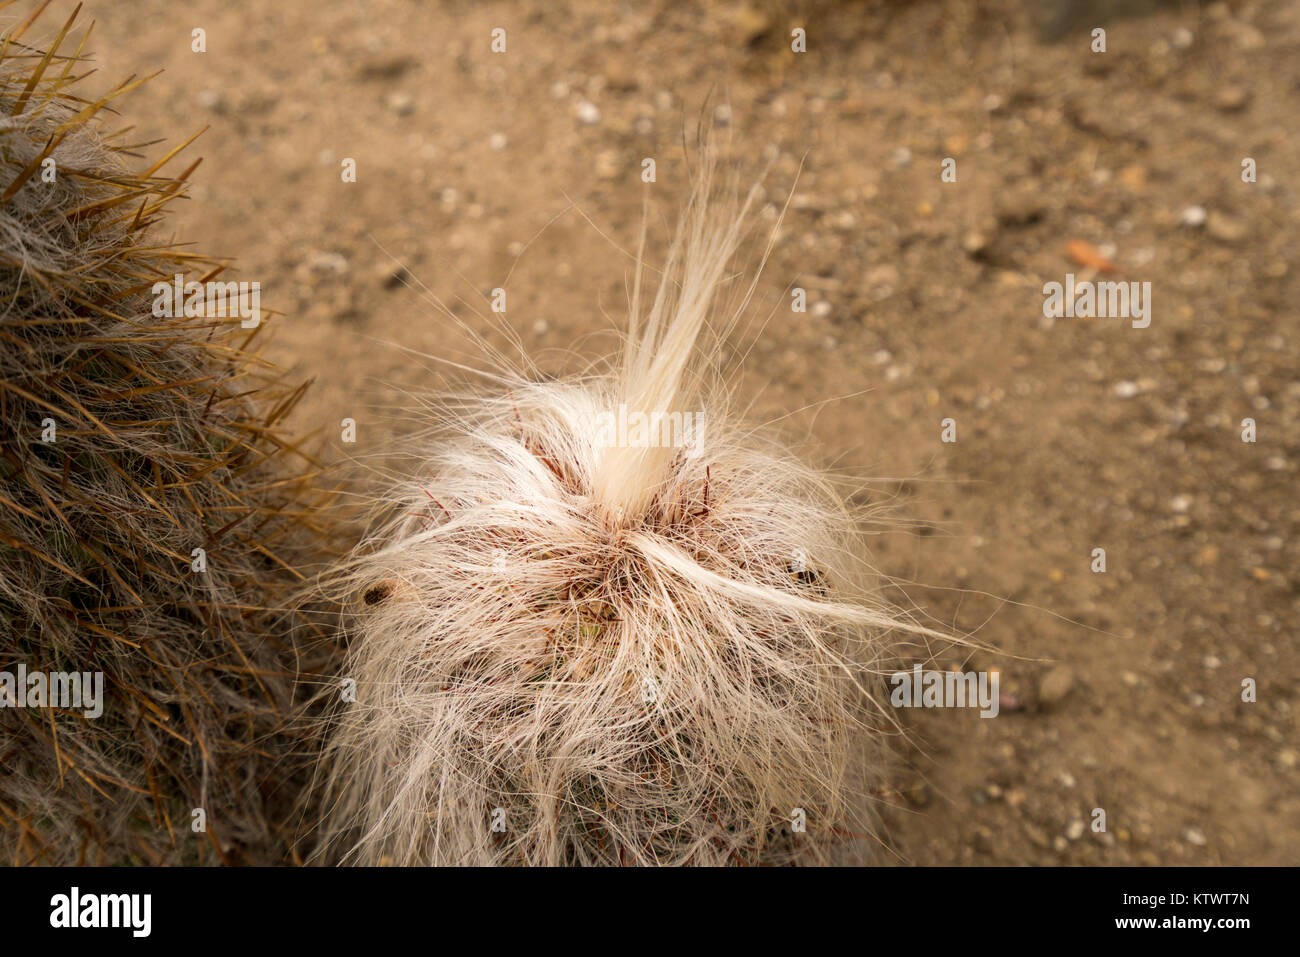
{"points": [[580, 909]]}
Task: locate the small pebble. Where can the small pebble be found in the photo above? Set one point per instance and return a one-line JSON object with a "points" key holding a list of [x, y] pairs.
{"points": [[403, 104], [391, 275], [1056, 685], [329, 262], [607, 164], [1231, 99], [1224, 228], [210, 100]]}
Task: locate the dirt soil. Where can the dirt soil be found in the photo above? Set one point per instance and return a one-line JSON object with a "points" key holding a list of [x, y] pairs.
{"points": [[1122, 689]]}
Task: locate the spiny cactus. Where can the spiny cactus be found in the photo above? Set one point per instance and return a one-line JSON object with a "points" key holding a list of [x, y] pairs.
{"points": [[149, 508]]}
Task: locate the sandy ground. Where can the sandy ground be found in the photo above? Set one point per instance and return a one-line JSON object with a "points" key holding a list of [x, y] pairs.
{"points": [[925, 300]]}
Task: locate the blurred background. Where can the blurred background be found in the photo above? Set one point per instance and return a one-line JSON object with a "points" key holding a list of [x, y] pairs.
{"points": [[1121, 690]]}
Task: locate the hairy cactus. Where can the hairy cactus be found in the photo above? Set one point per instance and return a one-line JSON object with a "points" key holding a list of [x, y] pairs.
{"points": [[608, 624]]}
